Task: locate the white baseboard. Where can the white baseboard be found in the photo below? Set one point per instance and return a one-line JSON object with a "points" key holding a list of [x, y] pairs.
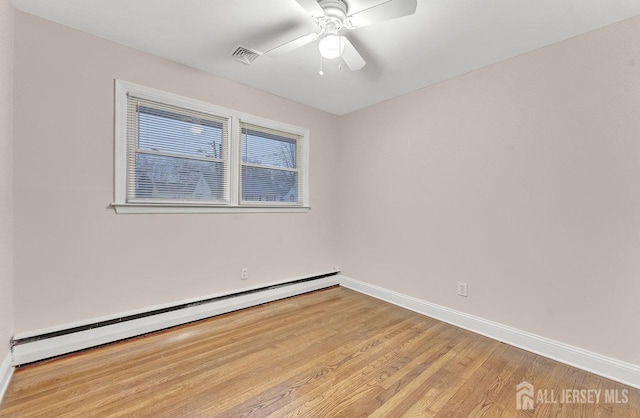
{"points": [[6, 370], [619, 371], [31, 351], [613, 369]]}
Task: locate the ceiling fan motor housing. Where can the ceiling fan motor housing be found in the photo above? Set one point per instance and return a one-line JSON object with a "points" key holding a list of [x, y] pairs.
{"points": [[335, 12]]}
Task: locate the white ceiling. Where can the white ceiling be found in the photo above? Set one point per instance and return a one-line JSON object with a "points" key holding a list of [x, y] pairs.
{"points": [[443, 39]]}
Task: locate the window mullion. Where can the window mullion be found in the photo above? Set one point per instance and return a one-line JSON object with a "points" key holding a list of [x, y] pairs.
{"points": [[270, 167], [234, 161], [177, 155]]}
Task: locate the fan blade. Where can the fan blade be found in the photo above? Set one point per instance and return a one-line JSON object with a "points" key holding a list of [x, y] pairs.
{"points": [[390, 9], [352, 57], [312, 7], [291, 45]]}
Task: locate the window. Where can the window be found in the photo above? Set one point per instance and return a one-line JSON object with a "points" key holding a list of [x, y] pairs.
{"points": [[269, 165], [175, 155]]}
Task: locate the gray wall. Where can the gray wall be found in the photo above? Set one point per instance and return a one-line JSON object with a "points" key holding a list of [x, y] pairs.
{"points": [[76, 259], [6, 176], [522, 179]]}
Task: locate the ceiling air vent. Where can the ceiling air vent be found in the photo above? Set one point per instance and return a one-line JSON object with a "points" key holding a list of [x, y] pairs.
{"points": [[245, 54]]}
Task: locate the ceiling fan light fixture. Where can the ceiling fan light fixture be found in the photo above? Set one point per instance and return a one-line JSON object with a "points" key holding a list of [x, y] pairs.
{"points": [[331, 46]]}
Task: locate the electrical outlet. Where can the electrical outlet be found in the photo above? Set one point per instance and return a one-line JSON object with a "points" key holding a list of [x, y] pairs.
{"points": [[462, 289], [244, 273]]}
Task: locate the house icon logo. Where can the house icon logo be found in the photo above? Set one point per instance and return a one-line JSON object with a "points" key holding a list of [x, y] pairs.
{"points": [[524, 396]]}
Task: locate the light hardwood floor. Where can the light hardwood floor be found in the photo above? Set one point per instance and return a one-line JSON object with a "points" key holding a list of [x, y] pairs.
{"points": [[331, 353]]}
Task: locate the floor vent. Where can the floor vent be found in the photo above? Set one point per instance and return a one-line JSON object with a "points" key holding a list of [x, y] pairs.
{"points": [[245, 54]]}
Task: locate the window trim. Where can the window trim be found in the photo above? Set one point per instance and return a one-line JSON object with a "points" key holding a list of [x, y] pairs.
{"points": [[120, 204]]}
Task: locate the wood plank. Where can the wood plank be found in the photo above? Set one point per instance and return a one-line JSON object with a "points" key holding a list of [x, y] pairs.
{"points": [[333, 352]]}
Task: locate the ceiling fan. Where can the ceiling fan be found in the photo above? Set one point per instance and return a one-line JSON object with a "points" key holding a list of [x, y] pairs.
{"points": [[333, 19]]}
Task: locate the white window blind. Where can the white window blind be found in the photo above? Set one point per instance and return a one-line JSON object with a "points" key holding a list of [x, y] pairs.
{"points": [[175, 154], [269, 165]]}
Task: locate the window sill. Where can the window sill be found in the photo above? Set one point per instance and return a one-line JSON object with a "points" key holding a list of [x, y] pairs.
{"points": [[126, 208]]}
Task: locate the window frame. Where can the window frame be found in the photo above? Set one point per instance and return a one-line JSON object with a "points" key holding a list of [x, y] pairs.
{"points": [[234, 204]]}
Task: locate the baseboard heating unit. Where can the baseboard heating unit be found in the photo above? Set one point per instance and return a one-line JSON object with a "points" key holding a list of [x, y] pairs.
{"points": [[28, 348]]}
